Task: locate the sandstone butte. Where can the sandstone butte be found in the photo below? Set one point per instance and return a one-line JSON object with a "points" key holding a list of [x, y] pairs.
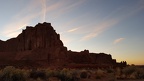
{"points": [[40, 46]]}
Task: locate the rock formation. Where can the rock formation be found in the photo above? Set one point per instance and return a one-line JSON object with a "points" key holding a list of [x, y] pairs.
{"points": [[41, 46]]}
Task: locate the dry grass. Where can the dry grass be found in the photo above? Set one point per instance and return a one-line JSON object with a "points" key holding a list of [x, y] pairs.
{"points": [[126, 74]]}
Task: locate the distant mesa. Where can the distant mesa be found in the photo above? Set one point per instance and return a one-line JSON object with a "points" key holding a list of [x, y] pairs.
{"points": [[40, 46]]}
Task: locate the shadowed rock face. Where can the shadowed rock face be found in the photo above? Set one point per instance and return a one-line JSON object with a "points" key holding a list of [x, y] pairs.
{"points": [[41, 46], [40, 36]]}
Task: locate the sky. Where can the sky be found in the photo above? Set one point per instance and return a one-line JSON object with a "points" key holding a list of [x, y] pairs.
{"points": [[114, 27]]}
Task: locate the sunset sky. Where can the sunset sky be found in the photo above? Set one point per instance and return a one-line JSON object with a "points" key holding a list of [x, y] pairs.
{"points": [[114, 27]]}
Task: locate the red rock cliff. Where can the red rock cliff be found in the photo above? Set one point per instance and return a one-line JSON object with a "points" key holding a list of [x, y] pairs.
{"points": [[40, 36], [41, 45]]}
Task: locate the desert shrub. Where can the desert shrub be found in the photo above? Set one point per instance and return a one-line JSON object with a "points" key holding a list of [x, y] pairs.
{"points": [[75, 75], [133, 72], [133, 75], [26, 73], [10, 73], [111, 77], [56, 73], [65, 75], [139, 73], [33, 74], [129, 70], [62, 77], [100, 72], [83, 74], [49, 73], [118, 71], [38, 74]]}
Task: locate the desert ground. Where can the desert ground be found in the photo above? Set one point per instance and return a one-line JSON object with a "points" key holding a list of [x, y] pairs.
{"points": [[129, 73]]}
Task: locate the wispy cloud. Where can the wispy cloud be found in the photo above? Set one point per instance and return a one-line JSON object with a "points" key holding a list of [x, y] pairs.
{"points": [[20, 20], [30, 12], [66, 39], [98, 29], [73, 5], [68, 6], [72, 30], [26, 16], [112, 19], [12, 34], [118, 40]]}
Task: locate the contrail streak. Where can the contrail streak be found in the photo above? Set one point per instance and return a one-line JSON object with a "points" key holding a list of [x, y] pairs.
{"points": [[44, 9]]}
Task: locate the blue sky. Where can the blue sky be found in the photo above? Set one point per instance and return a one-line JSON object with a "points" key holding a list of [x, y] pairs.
{"points": [[110, 26]]}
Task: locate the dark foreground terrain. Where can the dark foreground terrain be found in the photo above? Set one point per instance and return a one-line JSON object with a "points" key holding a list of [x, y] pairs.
{"points": [[129, 73]]}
